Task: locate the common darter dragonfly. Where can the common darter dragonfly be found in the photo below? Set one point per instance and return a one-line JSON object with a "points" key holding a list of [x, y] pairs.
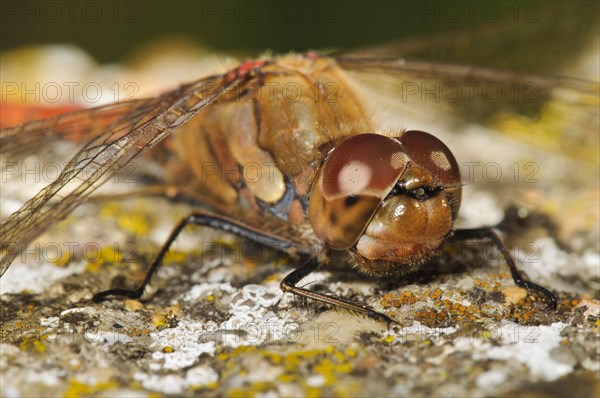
{"points": [[291, 152]]}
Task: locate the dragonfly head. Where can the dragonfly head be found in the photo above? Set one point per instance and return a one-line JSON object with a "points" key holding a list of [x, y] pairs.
{"points": [[390, 200]]}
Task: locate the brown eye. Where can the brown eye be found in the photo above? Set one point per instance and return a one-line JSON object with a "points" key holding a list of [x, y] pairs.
{"points": [[353, 179], [433, 155]]}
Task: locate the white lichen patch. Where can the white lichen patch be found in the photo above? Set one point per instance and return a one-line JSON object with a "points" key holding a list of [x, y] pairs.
{"points": [[549, 259], [478, 209], [532, 349], [8, 353], [13, 378], [530, 346], [173, 384], [252, 321], [50, 377], [200, 376], [205, 289], [52, 322], [35, 278], [420, 332], [169, 384], [591, 365], [186, 343], [255, 297], [491, 378]]}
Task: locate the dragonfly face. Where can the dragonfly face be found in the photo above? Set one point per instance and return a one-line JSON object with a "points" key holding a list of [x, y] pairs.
{"points": [[392, 200]]}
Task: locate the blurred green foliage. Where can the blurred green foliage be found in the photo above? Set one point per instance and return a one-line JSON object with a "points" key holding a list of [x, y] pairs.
{"points": [[111, 29]]}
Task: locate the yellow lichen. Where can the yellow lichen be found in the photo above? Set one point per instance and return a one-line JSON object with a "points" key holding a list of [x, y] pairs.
{"points": [[312, 392], [175, 257], [106, 255], [134, 223], [350, 352], [163, 318], [388, 339], [33, 343], [78, 389]]}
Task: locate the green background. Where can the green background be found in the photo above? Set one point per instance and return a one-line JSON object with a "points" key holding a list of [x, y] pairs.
{"points": [[110, 30]]}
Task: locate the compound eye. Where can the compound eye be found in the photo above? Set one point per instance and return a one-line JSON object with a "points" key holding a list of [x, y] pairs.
{"points": [[350, 183], [433, 155]]}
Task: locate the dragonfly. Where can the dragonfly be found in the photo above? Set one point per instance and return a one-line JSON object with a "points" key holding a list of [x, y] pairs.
{"points": [[285, 151]]}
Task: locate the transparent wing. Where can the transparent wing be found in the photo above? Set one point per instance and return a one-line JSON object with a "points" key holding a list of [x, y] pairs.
{"points": [[131, 128], [535, 37], [17, 142], [482, 95], [504, 75], [538, 133]]}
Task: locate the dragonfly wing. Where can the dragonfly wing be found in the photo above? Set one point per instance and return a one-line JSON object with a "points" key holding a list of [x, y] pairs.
{"points": [[145, 123], [537, 126], [491, 72], [20, 141], [534, 38], [483, 96]]}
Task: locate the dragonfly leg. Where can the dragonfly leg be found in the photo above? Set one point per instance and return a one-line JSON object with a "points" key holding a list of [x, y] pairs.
{"points": [[203, 218], [491, 235], [289, 284]]}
